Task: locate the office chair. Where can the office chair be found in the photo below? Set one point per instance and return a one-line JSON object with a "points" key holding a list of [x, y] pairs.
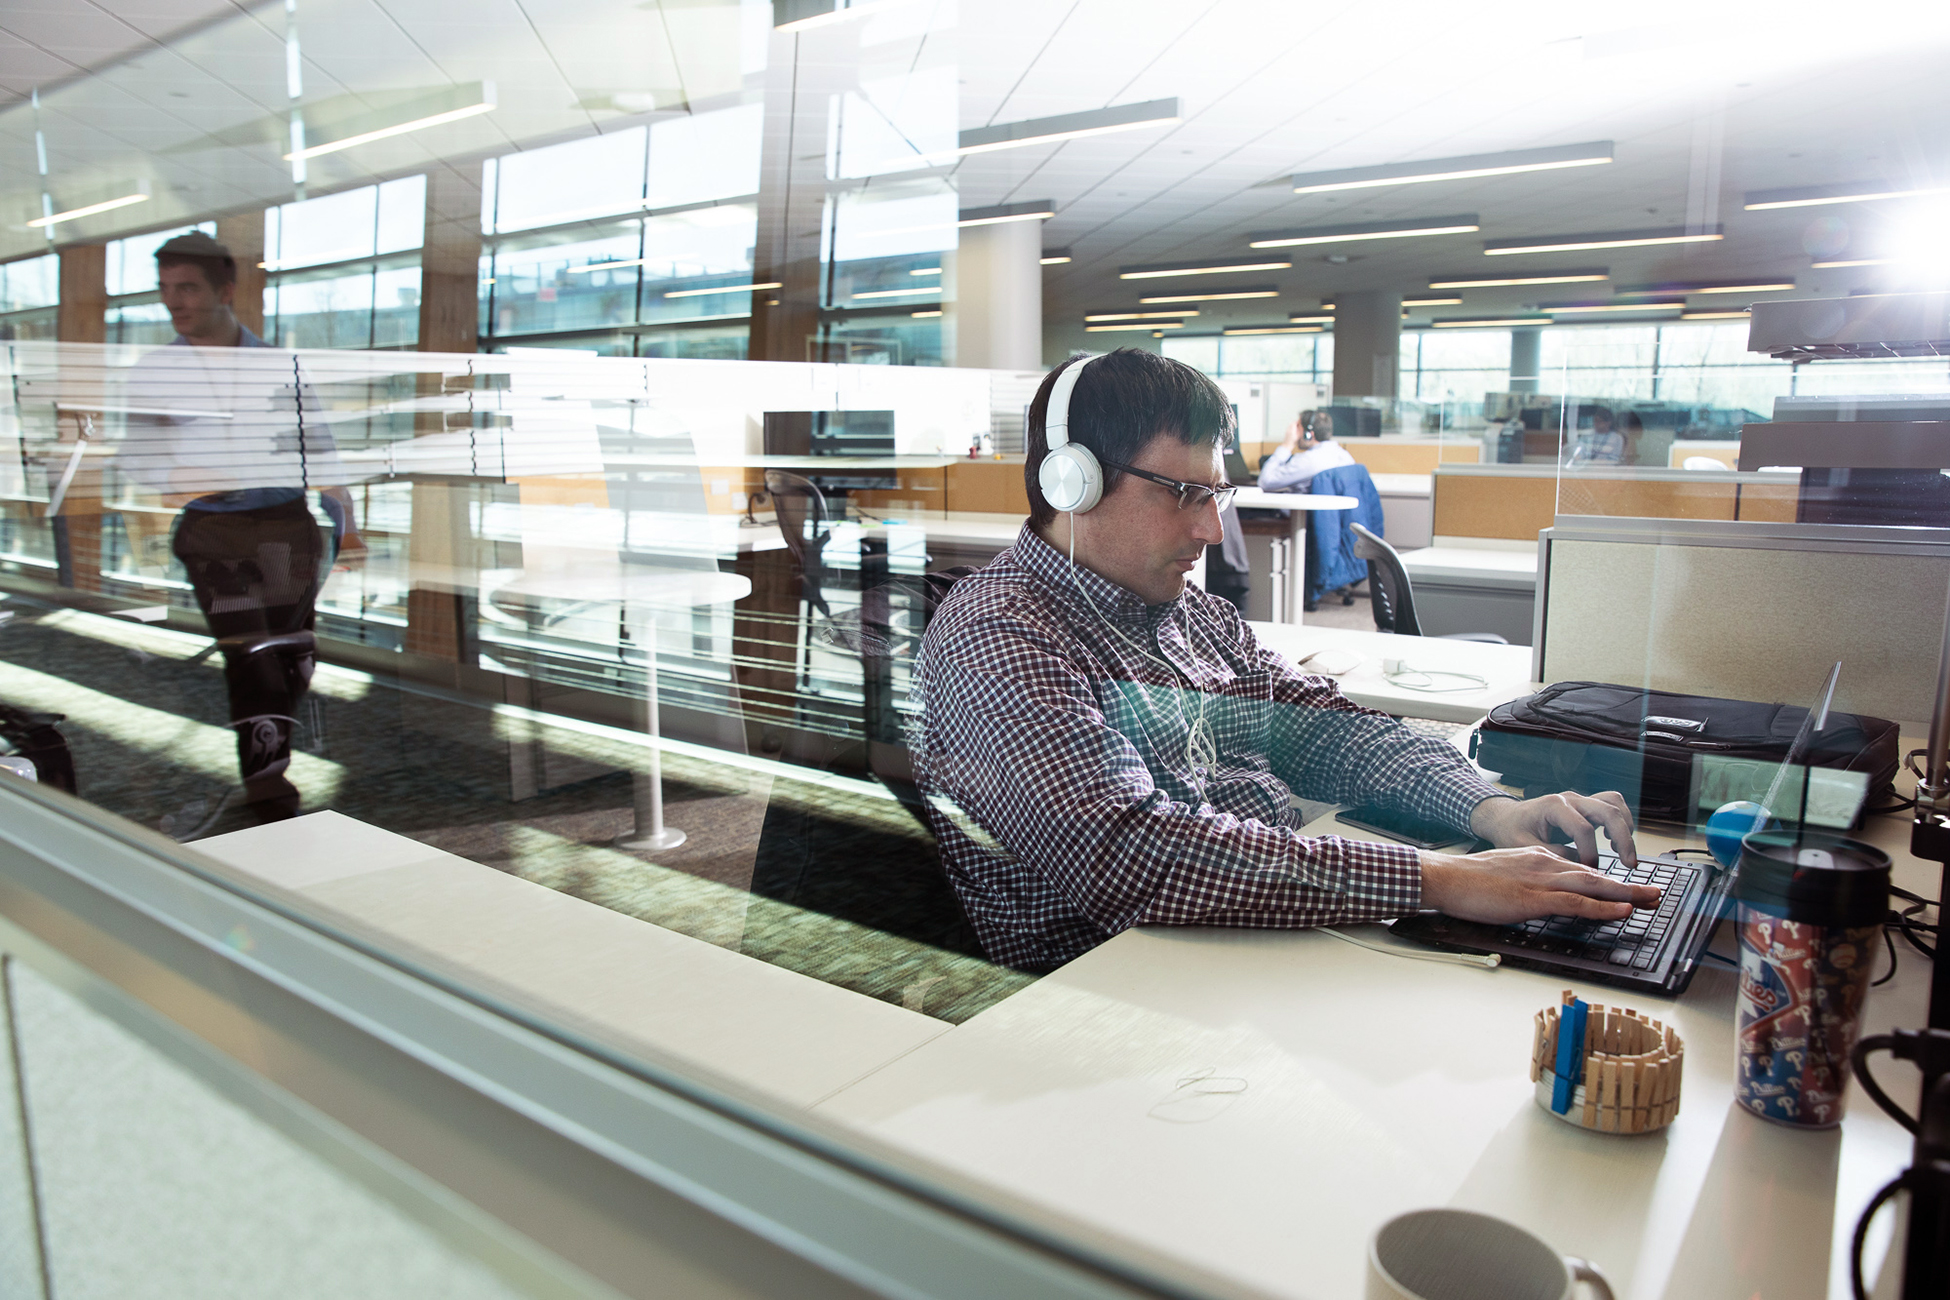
{"points": [[800, 508], [1394, 599]]}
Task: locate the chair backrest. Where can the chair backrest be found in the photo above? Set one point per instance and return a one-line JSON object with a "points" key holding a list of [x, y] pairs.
{"points": [[1388, 587], [800, 508]]}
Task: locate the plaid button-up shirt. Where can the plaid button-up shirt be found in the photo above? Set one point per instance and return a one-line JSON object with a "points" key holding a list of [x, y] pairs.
{"points": [[1053, 743]]}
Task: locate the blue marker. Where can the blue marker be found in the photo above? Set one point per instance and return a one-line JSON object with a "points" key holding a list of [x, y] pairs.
{"points": [[1570, 1053]]}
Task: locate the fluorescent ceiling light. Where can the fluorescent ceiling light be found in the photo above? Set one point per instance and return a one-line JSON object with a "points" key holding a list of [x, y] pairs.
{"points": [[1815, 196], [1859, 261], [825, 13], [1069, 126], [1327, 306], [607, 266], [1455, 169], [1570, 307], [1311, 320], [723, 288], [926, 270], [1490, 324], [468, 100], [899, 293], [75, 214], [1158, 271], [1456, 225], [1276, 329], [1704, 286], [1140, 315], [1154, 327], [1613, 239], [1055, 256], [1714, 315], [1213, 297], [922, 315], [1432, 302], [1498, 282], [1002, 212]]}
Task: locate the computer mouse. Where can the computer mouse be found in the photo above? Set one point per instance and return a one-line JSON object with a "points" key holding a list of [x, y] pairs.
{"points": [[1331, 661]]}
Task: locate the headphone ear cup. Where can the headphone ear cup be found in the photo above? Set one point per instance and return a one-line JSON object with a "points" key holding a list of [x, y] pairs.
{"points": [[1071, 479]]}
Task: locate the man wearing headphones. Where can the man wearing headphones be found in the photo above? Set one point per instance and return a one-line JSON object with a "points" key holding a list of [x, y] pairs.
{"points": [[1107, 746], [1309, 448]]}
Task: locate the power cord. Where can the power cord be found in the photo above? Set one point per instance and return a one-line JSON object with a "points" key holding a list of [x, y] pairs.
{"points": [[1396, 673], [1929, 1176]]}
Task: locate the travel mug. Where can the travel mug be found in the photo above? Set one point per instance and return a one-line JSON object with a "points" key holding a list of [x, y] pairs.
{"points": [[1811, 907], [1449, 1254]]}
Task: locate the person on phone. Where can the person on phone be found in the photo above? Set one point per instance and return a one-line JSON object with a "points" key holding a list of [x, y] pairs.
{"points": [[1104, 745], [1309, 448]]}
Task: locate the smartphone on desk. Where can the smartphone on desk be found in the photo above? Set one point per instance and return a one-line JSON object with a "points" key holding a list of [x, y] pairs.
{"points": [[1403, 827]]}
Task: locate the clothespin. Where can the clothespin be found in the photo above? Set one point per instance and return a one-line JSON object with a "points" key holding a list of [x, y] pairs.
{"points": [[1570, 1052]]}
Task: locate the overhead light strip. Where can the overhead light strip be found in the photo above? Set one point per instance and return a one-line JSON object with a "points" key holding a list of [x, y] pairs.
{"points": [[1069, 126], [1432, 302], [1153, 326], [1613, 239], [832, 17], [898, 293], [1857, 261], [724, 288], [1159, 272], [1274, 329], [1303, 319], [1055, 256], [1504, 322], [1006, 212], [1229, 296], [1704, 286], [480, 99], [1502, 281], [1466, 167], [1715, 315], [1140, 315], [1568, 308], [75, 214], [1815, 196], [1455, 225]]}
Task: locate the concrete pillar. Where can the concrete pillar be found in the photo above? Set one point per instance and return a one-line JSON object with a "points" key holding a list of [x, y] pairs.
{"points": [[1367, 344], [450, 260], [998, 302], [1526, 358], [243, 234]]}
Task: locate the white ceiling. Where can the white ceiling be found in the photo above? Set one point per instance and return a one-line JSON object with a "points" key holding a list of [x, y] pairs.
{"points": [[1704, 101]]}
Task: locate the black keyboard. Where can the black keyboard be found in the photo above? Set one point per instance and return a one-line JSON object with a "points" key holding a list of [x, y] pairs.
{"points": [[1631, 944]]}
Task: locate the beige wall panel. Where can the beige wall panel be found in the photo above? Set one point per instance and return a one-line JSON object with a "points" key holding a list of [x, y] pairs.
{"points": [[1388, 456], [987, 487], [1769, 503], [1748, 624], [1490, 506], [1644, 498]]}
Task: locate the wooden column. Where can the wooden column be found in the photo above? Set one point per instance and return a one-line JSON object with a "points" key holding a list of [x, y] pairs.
{"points": [[243, 234], [450, 260], [83, 314], [792, 201], [81, 318]]}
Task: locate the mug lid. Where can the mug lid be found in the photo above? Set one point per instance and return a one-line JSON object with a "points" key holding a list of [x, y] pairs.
{"points": [[1814, 877]]}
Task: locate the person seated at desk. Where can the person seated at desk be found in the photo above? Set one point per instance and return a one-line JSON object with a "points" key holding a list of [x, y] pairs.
{"points": [[1105, 746], [1601, 444], [1309, 448]]}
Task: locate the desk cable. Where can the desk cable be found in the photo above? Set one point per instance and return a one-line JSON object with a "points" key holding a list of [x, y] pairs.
{"points": [[1396, 671], [1485, 961]]}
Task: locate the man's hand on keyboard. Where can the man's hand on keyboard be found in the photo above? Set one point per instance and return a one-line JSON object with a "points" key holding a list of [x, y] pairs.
{"points": [[1516, 823], [1505, 886]]}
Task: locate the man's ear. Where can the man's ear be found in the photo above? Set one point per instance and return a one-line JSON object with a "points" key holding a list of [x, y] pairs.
{"points": [[228, 294]]}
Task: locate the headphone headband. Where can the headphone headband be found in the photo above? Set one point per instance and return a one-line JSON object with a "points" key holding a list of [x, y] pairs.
{"points": [[1056, 416]]}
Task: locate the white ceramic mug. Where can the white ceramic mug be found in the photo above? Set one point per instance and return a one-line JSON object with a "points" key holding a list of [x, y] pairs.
{"points": [[1461, 1255]]}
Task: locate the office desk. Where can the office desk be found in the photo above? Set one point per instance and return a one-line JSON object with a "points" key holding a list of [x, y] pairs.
{"points": [[1487, 586], [1257, 1102], [1289, 570], [1506, 668]]}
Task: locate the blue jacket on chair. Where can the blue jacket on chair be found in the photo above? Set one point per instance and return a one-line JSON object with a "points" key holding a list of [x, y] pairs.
{"points": [[1331, 562]]}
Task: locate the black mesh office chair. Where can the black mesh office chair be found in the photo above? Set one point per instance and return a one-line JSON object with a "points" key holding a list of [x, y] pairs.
{"points": [[1393, 598], [800, 508]]}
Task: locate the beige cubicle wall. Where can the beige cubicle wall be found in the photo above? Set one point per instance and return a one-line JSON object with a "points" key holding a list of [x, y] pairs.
{"points": [[1746, 611], [1516, 502]]}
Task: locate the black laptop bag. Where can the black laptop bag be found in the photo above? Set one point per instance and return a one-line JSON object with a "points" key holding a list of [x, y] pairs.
{"points": [[1592, 736]]}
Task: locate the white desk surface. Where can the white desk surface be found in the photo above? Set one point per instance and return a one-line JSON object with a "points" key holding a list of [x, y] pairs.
{"points": [[1505, 667], [1252, 498], [649, 990], [1255, 1103], [1472, 566]]}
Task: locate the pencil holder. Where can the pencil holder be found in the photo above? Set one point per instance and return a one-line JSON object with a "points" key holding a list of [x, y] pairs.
{"points": [[1607, 1069]]}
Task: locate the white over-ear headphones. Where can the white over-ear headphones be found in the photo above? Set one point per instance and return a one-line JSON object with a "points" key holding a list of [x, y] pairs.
{"points": [[1070, 477]]}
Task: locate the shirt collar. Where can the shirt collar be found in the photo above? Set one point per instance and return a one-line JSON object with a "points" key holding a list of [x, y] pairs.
{"points": [[1078, 587]]}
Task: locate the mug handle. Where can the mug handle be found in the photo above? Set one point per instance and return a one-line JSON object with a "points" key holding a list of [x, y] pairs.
{"points": [[1583, 1270]]}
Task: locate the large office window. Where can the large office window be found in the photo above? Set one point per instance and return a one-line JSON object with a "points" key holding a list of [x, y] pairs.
{"points": [[135, 310], [344, 269], [30, 295], [1257, 356]]}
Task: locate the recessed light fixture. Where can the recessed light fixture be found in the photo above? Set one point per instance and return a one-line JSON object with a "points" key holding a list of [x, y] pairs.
{"points": [[1857, 261], [1612, 239], [1301, 318], [923, 315], [1815, 196], [725, 288], [75, 214], [1455, 169], [1558, 309], [1704, 286], [1501, 281], [1275, 329], [1055, 256], [1714, 315], [825, 13], [926, 270], [898, 293], [470, 99], [1433, 302], [1153, 326], [1499, 323], [1140, 315], [1068, 126], [1006, 212], [1456, 225], [1229, 296], [1217, 266]]}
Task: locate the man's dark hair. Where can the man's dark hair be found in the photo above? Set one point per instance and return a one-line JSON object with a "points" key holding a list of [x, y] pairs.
{"points": [[1598, 412], [1124, 400], [206, 254]]}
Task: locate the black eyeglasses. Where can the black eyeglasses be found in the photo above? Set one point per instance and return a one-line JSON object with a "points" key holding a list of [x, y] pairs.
{"points": [[1191, 496]]}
